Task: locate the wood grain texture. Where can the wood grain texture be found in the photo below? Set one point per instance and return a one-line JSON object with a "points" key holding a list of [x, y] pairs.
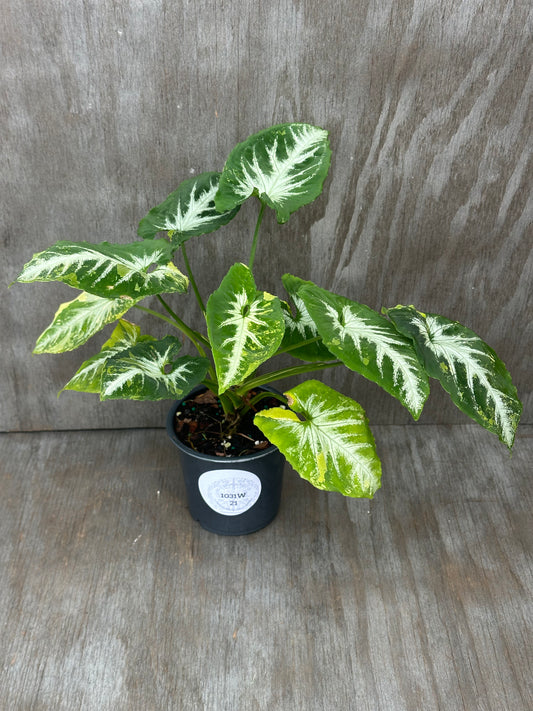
{"points": [[106, 107], [113, 598]]}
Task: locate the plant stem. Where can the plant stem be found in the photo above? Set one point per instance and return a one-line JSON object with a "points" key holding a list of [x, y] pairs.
{"points": [[256, 234], [194, 337], [156, 314], [287, 349], [189, 332], [191, 277], [260, 396], [226, 403], [284, 373], [229, 401]]}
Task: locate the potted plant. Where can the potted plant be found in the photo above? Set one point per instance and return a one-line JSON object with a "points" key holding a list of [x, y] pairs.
{"points": [[322, 433]]}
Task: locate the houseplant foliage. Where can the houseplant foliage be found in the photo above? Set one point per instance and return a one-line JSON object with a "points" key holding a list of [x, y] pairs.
{"points": [[323, 434]]}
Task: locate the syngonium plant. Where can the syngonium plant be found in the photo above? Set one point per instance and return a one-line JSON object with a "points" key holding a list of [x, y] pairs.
{"points": [[322, 433]]}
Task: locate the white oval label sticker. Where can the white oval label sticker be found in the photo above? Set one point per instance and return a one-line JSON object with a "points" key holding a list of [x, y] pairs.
{"points": [[229, 491]]}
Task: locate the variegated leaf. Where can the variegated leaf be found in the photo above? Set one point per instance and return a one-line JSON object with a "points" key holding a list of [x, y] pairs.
{"points": [[285, 166], [151, 371], [188, 211], [245, 326], [467, 368], [76, 321], [88, 377], [326, 439], [369, 344], [299, 326], [136, 270]]}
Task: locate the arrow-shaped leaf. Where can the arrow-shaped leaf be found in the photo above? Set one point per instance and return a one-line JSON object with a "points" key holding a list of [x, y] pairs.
{"points": [[76, 321], [326, 439], [467, 368], [88, 377], [245, 326], [136, 270], [299, 326], [284, 165], [369, 344], [188, 211], [151, 371]]}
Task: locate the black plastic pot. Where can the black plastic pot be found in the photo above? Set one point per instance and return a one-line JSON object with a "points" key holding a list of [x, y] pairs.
{"points": [[231, 496]]}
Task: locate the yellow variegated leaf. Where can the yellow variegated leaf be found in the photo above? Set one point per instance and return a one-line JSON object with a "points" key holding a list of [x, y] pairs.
{"points": [[88, 377], [76, 321], [325, 438]]}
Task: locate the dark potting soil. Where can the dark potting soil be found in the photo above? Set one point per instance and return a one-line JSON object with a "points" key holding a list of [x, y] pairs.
{"points": [[199, 424]]}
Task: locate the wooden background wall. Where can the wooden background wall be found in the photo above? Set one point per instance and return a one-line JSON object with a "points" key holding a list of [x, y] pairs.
{"points": [[106, 106]]}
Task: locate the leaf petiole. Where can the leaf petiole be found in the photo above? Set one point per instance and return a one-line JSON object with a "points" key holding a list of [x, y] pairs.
{"points": [[196, 338], [193, 335], [300, 344], [284, 373], [256, 235], [192, 279]]}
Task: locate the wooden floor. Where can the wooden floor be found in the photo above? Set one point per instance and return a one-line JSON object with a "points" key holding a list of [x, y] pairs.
{"points": [[112, 598]]}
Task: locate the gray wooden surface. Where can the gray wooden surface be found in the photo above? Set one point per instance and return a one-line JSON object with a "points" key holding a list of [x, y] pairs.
{"points": [[107, 106], [113, 599]]}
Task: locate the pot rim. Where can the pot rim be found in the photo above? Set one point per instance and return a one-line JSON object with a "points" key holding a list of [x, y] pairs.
{"points": [[221, 461]]}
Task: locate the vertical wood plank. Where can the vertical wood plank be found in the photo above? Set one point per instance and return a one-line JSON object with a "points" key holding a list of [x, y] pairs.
{"points": [[107, 107]]}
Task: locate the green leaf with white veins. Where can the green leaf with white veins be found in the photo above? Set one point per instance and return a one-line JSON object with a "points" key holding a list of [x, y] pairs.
{"points": [[151, 371], [188, 211], [299, 326], [326, 439], [467, 368], [285, 166], [245, 326], [88, 377], [76, 321], [136, 270], [369, 344]]}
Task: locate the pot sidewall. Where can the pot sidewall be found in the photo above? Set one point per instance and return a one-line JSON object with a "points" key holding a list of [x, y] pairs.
{"points": [[262, 479]]}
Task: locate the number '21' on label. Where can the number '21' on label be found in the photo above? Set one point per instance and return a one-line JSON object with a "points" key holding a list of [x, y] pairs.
{"points": [[229, 491]]}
